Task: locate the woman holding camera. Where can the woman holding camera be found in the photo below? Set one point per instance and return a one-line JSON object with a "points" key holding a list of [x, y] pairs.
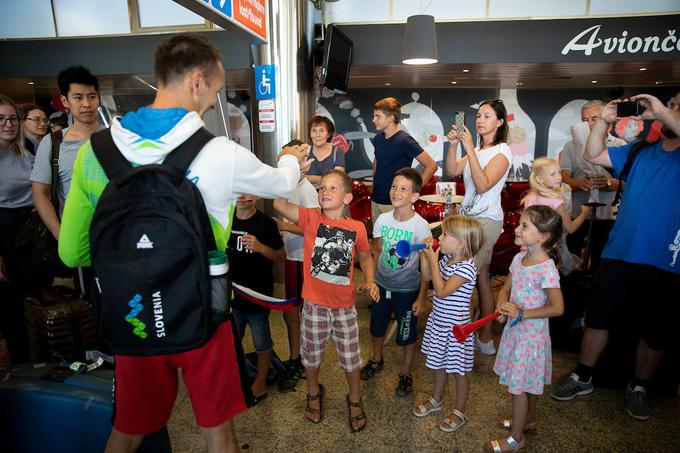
{"points": [[484, 169]]}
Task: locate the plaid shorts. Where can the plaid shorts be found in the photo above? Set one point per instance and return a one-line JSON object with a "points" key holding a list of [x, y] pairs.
{"points": [[339, 324]]}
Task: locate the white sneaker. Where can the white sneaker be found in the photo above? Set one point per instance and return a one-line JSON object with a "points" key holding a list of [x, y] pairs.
{"points": [[486, 348]]}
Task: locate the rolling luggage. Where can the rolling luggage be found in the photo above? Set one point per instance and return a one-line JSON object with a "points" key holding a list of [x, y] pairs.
{"points": [[59, 324], [72, 416]]}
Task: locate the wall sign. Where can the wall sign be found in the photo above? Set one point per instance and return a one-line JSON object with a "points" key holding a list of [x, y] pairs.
{"points": [[266, 114]]}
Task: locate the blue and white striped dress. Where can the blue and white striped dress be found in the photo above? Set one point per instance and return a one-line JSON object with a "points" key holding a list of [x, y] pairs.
{"points": [[443, 351]]}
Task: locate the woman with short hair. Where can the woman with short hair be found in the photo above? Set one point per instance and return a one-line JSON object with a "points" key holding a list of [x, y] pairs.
{"points": [[324, 155]]}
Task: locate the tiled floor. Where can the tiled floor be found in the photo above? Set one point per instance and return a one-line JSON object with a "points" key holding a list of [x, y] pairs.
{"points": [[594, 423]]}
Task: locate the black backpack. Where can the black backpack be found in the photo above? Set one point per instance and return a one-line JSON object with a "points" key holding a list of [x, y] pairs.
{"points": [[149, 242]]}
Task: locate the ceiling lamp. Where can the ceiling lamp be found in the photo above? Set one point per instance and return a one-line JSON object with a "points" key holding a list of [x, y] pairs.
{"points": [[420, 40]]}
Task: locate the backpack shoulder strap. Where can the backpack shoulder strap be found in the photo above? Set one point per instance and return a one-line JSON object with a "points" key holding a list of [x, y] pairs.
{"points": [[181, 157], [107, 153], [634, 152], [57, 137]]}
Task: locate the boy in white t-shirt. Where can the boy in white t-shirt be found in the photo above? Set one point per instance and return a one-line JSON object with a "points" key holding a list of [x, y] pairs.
{"points": [[304, 195], [402, 290]]}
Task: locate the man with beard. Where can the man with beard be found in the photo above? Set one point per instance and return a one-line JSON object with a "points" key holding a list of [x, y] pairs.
{"points": [[640, 270]]}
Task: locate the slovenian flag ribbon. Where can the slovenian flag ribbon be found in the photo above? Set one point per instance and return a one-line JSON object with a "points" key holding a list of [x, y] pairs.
{"points": [[262, 299]]}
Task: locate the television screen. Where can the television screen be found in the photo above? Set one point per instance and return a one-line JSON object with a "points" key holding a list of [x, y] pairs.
{"points": [[337, 57]]}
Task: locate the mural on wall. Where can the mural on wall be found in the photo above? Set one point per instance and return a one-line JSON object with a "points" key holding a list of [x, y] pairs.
{"points": [[539, 121], [426, 127], [521, 136]]}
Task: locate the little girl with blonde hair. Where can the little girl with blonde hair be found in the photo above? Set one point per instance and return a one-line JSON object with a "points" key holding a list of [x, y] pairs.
{"points": [[547, 189]]}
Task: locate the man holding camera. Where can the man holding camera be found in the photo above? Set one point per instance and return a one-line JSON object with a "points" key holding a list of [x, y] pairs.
{"points": [[640, 270], [582, 178]]}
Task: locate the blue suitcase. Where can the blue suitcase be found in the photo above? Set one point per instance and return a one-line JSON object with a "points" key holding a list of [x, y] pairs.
{"points": [[72, 416]]}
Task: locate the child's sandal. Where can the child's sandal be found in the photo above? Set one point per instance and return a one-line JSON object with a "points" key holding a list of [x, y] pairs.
{"points": [[356, 418], [371, 369], [448, 426], [421, 410], [494, 446], [313, 411], [529, 428]]}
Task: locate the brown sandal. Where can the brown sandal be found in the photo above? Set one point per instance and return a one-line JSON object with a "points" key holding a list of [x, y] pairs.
{"points": [[356, 418], [310, 410]]}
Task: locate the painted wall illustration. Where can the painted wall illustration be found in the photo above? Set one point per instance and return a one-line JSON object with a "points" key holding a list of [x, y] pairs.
{"points": [[539, 121]]}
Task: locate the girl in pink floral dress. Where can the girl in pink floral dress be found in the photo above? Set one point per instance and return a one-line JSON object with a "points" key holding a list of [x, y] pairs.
{"points": [[531, 294]]}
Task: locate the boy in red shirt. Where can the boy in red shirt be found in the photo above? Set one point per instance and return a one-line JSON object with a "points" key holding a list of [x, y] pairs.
{"points": [[328, 290]]}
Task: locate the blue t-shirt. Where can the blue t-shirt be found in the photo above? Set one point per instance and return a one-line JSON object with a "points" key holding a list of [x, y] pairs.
{"points": [[335, 159], [647, 227], [391, 155]]}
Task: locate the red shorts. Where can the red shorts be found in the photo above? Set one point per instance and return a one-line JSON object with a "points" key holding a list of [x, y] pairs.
{"points": [[146, 387], [293, 278]]}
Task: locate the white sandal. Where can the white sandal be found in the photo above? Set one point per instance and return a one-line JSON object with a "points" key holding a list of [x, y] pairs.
{"points": [[447, 424], [494, 446], [421, 410]]}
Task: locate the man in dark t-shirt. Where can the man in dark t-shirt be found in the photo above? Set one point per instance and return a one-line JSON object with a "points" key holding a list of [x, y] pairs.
{"points": [[254, 245], [394, 149]]}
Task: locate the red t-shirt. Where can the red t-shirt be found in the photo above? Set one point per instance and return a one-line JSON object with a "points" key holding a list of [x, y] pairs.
{"points": [[329, 258]]}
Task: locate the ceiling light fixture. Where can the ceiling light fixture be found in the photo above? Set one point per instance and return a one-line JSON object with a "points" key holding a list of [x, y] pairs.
{"points": [[420, 40], [387, 84], [466, 70], [643, 69], [31, 83], [454, 82], [593, 81]]}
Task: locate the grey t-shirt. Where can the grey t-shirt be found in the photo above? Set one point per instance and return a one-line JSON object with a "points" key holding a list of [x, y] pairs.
{"points": [[15, 185], [569, 162], [42, 172], [394, 273]]}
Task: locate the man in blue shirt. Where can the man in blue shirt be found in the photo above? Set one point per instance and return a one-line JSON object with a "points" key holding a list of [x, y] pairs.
{"points": [[640, 270], [394, 149]]}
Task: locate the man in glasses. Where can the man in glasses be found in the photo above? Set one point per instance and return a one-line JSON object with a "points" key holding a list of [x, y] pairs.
{"points": [[582, 177], [35, 123], [80, 95]]}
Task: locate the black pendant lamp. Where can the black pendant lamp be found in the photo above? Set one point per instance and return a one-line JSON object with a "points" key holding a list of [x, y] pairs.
{"points": [[420, 40]]}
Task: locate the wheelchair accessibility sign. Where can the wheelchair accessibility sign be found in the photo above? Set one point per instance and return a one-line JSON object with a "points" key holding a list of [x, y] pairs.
{"points": [[265, 81]]}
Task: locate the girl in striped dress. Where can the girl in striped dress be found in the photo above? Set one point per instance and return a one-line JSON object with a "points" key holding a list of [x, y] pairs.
{"points": [[453, 274]]}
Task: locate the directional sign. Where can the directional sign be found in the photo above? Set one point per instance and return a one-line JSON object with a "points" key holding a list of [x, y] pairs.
{"points": [[246, 16], [221, 5]]}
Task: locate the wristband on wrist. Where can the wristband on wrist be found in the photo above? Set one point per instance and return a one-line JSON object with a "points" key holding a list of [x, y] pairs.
{"points": [[519, 317]]}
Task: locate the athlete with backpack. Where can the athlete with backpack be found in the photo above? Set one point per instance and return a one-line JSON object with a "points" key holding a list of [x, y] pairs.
{"points": [[150, 199]]}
